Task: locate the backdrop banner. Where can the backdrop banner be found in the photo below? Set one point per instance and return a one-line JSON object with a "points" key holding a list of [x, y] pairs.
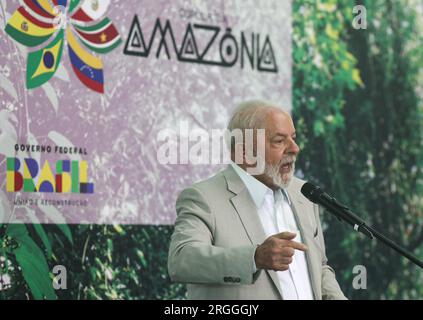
{"points": [[108, 107]]}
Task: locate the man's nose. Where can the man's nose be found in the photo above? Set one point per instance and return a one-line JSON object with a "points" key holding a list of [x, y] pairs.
{"points": [[293, 147]]}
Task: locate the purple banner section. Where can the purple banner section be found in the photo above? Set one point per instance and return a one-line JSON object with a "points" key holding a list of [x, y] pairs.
{"points": [[88, 87]]}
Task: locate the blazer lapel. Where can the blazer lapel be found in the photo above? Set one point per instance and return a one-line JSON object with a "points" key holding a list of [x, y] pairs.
{"points": [[304, 223], [247, 213], [245, 208]]}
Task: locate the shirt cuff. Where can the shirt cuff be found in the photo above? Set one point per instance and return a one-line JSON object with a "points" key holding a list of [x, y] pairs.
{"points": [[254, 262]]}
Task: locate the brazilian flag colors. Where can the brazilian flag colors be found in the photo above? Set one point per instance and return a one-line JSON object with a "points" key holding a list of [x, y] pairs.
{"points": [[42, 25]]}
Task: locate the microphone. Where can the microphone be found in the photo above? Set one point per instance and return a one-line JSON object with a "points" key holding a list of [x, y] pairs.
{"points": [[318, 196]]}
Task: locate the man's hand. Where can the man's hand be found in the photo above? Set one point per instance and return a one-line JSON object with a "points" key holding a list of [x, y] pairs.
{"points": [[276, 252]]}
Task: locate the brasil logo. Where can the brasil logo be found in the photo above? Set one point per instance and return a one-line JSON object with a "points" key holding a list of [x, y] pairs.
{"points": [[71, 176], [42, 25]]}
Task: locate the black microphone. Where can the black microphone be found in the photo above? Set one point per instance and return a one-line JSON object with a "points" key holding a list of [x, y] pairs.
{"points": [[317, 195]]}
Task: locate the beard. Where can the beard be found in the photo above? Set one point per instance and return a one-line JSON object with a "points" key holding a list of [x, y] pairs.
{"points": [[273, 171]]}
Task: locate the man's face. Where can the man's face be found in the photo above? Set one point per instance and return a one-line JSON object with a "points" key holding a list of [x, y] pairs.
{"points": [[280, 150]]}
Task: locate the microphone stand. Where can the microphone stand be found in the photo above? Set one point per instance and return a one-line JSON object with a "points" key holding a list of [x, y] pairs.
{"points": [[344, 213]]}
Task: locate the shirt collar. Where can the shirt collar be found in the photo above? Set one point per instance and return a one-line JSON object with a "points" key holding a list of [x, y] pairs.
{"points": [[256, 188]]}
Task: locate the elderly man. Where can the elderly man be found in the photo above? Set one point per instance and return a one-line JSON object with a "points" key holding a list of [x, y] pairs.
{"points": [[239, 236]]}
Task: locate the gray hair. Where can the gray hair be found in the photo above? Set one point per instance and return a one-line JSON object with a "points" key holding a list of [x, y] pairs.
{"points": [[249, 115]]}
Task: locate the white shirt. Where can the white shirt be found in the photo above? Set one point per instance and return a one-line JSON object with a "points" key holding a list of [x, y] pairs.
{"points": [[276, 215]]}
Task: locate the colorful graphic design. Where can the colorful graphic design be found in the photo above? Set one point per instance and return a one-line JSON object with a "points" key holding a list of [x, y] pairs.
{"points": [[70, 177], [42, 26], [71, 155]]}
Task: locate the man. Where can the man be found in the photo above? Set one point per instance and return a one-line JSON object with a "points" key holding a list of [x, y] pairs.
{"points": [[239, 236]]}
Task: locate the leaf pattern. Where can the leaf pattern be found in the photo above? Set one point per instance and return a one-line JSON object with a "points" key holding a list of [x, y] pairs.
{"points": [[8, 86], [51, 95]]}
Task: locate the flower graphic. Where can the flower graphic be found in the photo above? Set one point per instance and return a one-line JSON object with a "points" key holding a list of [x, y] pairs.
{"points": [[43, 25]]}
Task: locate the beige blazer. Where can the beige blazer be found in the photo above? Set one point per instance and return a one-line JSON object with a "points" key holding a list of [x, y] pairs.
{"points": [[217, 230]]}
